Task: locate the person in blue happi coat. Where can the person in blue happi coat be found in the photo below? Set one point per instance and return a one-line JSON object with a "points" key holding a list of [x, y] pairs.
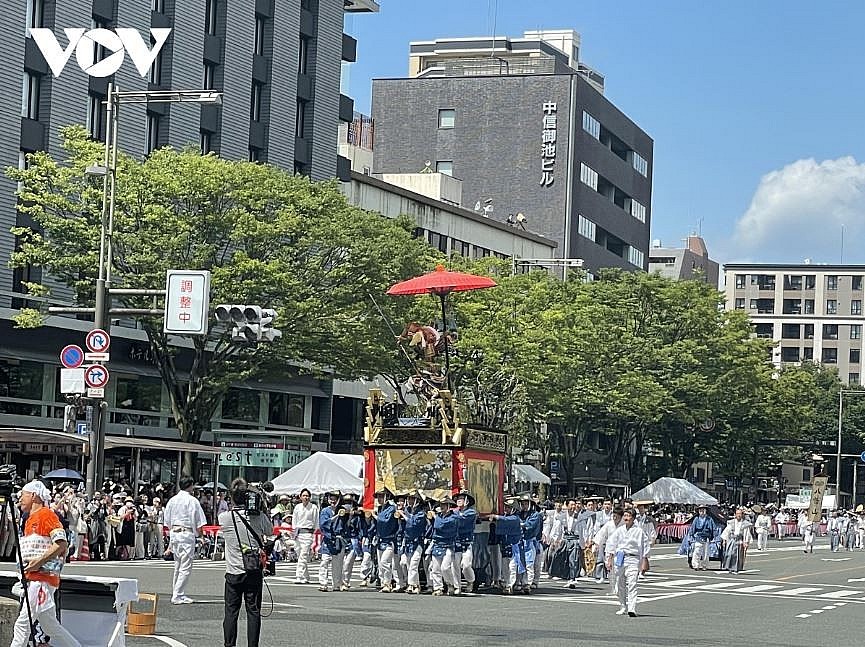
{"points": [[386, 527], [509, 533], [445, 531], [333, 523], [414, 529], [354, 547], [464, 556]]}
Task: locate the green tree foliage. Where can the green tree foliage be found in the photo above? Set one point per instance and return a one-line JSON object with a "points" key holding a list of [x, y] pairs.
{"points": [[267, 237]]}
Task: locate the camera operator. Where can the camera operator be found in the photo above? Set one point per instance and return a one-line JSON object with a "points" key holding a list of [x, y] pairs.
{"points": [[243, 533]]}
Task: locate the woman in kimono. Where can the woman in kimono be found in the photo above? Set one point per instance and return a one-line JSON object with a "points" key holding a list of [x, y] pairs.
{"points": [[736, 538]]}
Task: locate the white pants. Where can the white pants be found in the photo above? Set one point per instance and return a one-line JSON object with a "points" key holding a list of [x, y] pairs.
{"points": [[626, 583], [400, 569], [366, 566], [385, 565], [808, 538], [182, 544], [860, 537], [443, 571], [700, 558], [47, 618], [782, 530], [539, 563], [762, 538], [458, 567], [303, 545], [155, 547], [468, 570], [348, 566], [414, 562], [329, 562], [522, 579], [139, 545]]}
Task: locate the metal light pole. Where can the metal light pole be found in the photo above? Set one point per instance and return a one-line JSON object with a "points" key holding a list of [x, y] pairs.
{"points": [[95, 467]]}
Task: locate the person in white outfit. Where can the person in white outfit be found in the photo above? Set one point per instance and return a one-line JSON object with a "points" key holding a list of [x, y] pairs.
{"points": [[599, 543], [304, 523], [627, 552], [762, 526], [807, 529], [781, 520], [185, 521]]}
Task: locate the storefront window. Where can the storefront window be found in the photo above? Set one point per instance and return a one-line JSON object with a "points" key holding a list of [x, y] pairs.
{"points": [[286, 409], [141, 394], [240, 404], [20, 379]]}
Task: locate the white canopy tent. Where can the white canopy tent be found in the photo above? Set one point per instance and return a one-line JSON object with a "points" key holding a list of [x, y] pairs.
{"points": [[670, 490], [529, 474], [323, 472]]}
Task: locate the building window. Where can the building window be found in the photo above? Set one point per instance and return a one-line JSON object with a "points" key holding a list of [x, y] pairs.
{"points": [[589, 176], [789, 331], [241, 404], [255, 102], [259, 35], [856, 307], [591, 125], [830, 356], [808, 353], [809, 331], [158, 6], [810, 281], [789, 354], [586, 228], [635, 256], [830, 331], [447, 117], [809, 307], [303, 56], [740, 281], [856, 283], [140, 394], [300, 119], [764, 330], [855, 355], [156, 68], [95, 115], [30, 96], [20, 380], [254, 154], [35, 14], [638, 210], [152, 132], [210, 17], [209, 76], [856, 331], [792, 282], [831, 306], [641, 166], [286, 409], [445, 167], [206, 142], [740, 303], [831, 282], [792, 307], [853, 378]]}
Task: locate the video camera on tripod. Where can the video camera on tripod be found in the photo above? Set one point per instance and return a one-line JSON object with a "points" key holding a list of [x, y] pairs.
{"points": [[8, 479], [258, 497]]}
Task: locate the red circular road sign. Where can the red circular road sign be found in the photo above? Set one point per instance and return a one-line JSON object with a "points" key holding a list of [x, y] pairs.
{"points": [[72, 356], [96, 376], [97, 341]]}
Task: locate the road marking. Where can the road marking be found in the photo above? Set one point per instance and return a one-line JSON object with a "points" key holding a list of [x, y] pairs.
{"points": [[721, 585], [759, 587], [817, 611], [804, 615], [797, 591], [831, 606], [675, 583], [839, 594], [856, 579], [168, 641], [835, 559]]}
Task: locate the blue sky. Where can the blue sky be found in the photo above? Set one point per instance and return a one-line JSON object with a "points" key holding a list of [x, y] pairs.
{"points": [[757, 109]]}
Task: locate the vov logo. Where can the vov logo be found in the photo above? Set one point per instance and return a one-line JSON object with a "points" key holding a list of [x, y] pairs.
{"points": [[84, 42]]}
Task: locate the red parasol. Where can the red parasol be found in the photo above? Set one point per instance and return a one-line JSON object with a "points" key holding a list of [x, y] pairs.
{"points": [[442, 282]]}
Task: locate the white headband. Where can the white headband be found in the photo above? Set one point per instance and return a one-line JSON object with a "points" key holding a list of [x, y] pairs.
{"points": [[38, 488]]}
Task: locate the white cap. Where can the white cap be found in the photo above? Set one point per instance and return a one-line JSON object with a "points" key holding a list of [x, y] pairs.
{"points": [[38, 488]]}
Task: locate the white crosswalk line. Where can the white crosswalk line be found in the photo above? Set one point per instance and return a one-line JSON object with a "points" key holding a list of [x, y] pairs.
{"points": [[797, 591], [758, 588], [840, 594], [804, 615], [721, 585], [675, 583]]}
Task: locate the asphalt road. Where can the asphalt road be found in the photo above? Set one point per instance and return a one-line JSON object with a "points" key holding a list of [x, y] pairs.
{"points": [[784, 599]]}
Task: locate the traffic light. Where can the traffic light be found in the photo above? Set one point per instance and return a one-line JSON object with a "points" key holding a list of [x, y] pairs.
{"points": [[251, 323]]}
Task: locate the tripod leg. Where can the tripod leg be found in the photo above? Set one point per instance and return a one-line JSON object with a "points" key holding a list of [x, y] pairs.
{"points": [[26, 598]]}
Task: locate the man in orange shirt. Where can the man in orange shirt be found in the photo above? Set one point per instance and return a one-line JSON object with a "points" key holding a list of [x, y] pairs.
{"points": [[43, 549]]}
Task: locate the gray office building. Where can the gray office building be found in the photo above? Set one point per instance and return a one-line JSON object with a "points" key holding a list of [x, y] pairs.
{"points": [[278, 65], [525, 125], [684, 263]]}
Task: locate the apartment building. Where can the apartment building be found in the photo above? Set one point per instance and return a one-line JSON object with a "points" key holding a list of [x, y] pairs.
{"points": [[813, 312]]}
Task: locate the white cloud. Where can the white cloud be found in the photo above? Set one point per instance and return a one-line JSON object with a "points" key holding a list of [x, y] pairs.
{"points": [[797, 213]]}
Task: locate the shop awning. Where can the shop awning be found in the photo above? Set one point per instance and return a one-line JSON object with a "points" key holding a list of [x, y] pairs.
{"points": [[528, 474], [132, 442], [41, 436]]}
